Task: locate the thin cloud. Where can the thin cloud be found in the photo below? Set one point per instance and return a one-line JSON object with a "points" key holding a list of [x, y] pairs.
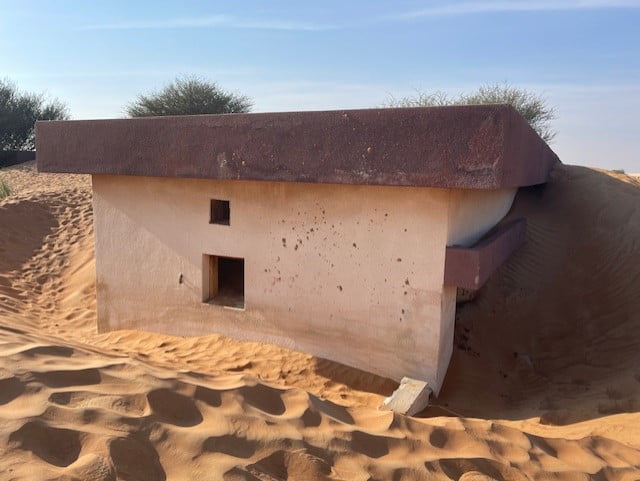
{"points": [[480, 6], [145, 73], [442, 9], [222, 21]]}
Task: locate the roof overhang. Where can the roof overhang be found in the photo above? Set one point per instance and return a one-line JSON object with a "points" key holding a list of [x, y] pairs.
{"points": [[467, 147]]}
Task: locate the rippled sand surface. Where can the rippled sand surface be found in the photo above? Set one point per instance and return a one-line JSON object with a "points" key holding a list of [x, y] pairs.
{"points": [[544, 381]]}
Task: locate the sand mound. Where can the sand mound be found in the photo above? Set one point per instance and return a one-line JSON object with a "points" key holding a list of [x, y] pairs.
{"points": [[556, 331], [70, 413], [547, 355]]}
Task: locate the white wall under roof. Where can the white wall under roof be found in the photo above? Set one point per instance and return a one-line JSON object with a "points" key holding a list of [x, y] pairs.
{"points": [[348, 273]]}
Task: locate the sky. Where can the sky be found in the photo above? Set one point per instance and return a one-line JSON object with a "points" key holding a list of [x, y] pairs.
{"points": [[582, 55]]}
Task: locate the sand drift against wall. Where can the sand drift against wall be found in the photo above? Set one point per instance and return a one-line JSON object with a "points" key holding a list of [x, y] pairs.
{"points": [[549, 348]]}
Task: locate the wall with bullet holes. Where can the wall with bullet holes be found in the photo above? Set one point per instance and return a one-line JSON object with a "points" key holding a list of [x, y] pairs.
{"points": [[351, 273]]}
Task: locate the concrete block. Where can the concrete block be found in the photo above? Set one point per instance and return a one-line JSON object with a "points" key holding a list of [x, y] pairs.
{"points": [[411, 397]]}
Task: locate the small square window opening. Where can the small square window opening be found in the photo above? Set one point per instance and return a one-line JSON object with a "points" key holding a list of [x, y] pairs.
{"points": [[220, 212]]}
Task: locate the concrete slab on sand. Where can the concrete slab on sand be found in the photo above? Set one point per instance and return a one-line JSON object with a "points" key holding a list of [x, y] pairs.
{"points": [[411, 397]]}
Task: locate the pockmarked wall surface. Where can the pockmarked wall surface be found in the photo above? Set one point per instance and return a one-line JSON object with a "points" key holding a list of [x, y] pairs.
{"points": [[351, 273]]}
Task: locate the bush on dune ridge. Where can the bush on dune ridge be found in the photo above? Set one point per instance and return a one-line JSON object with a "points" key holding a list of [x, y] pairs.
{"points": [[4, 189], [533, 107], [189, 96]]}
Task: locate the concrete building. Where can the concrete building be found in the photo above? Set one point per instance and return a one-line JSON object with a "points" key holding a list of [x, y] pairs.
{"points": [[343, 234]]}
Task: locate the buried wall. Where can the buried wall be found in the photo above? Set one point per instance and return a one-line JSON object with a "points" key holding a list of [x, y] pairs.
{"points": [[348, 273]]}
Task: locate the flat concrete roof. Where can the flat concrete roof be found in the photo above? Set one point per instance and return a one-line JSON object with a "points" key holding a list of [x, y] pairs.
{"points": [[472, 147]]}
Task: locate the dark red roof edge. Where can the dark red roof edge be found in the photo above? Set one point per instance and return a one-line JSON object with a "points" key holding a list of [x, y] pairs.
{"points": [[474, 147], [470, 267]]}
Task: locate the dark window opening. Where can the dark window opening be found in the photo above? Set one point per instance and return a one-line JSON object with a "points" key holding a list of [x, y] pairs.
{"points": [[220, 212], [224, 281]]}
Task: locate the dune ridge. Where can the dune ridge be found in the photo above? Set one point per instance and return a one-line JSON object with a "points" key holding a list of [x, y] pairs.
{"points": [[543, 384]]}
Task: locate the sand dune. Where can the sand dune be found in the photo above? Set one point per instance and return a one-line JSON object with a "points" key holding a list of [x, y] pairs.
{"points": [[558, 328], [544, 383], [72, 413]]}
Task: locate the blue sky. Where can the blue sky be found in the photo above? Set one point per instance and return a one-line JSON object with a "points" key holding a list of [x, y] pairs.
{"points": [[583, 55]]}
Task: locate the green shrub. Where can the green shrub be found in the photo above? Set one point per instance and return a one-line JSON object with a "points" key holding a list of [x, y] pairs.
{"points": [[533, 107], [4, 189], [18, 114], [189, 96]]}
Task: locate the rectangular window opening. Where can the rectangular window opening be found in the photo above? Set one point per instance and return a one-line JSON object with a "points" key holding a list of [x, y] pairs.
{"points": [[220, 212], [224, 281]]}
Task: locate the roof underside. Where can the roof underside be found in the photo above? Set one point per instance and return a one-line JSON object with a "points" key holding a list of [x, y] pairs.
{"points": [[475, 147]]}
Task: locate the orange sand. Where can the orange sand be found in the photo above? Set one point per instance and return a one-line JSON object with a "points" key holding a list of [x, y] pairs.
{"points": [[544, 381]]}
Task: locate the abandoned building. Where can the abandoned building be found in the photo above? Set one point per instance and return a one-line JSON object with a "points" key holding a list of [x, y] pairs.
{"points": [[341, 233]]}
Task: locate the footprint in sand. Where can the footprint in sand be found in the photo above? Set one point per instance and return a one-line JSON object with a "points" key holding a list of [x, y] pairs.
{"points": [[298, 464], [67, 378], [10, 388], [239, 474], [231, 445], [370, 445], [56, 446], [59, 351], [136, 460], [128, 405], [479, 469], [438, 438], [174, 408], [264, 398], [211, 397]]}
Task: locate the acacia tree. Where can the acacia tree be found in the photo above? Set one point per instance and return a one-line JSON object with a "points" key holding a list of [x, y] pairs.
{"points": [[533, 107], [19, 112], [189, 96]]}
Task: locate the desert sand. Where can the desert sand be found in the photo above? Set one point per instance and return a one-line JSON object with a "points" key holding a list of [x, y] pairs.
{"points": [[544, 382]]}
